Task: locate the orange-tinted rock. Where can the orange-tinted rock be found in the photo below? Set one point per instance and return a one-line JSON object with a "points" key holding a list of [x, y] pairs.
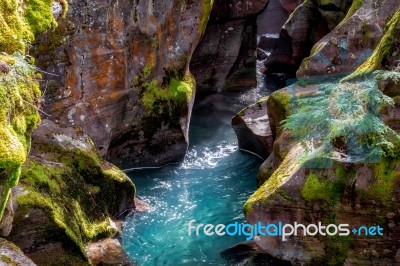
{"points": [[100, 52]]}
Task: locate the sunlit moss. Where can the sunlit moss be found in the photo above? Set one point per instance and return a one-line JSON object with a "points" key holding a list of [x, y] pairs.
{"points": [[19, 100], [178, 92], [20, 21], [385, 46], [79, 194], [205, 14]]}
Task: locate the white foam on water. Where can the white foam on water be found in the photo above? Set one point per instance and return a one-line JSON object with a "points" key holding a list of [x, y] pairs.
{"points": [[208, 157]]}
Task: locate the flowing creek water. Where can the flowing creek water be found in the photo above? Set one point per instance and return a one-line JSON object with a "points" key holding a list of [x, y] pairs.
{"points": [[210, 186]]}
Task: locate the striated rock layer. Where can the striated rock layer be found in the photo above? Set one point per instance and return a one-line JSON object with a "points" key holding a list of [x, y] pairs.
{"points": [[120, 72]]}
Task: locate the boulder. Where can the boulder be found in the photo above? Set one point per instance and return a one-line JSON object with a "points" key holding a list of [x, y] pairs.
{"points": [[12, 255], [107, 252], [68, 196], [296, 187], [252, 129], [350, 43]]}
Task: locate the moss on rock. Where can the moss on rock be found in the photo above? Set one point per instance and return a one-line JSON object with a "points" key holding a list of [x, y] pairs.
{"points": [[178, 92], [79, 193], [384, 48], [20, 21], [19, 98], [205, 14]]}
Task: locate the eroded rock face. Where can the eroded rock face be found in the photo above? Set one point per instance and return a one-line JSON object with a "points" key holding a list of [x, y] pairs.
{"points": [[122, 75], [351, 193], [252, 128], [107, 252], [308, 24], [12, 255], [225, 58], [341, 190], [352, 42], [67, 197]]}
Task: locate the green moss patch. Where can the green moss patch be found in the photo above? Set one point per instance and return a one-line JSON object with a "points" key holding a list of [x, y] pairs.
{"points": [[205, 14], [178, 92], [39, 16], [381, 191], [353, 9], [80, 193], [385, 47], [19, 100], [20, 22], [319, 188]]}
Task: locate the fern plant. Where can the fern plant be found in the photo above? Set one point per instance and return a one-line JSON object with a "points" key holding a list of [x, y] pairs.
{"points": [[343, 119]]}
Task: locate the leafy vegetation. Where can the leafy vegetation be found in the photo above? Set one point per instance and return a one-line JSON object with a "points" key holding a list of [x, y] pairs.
{"points": [[343, 117]]}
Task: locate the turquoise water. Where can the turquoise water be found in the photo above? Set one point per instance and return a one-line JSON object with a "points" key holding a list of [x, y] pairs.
{"points": [[210, 186]]}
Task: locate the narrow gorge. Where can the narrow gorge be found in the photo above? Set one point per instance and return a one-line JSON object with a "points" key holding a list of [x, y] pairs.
{"points": [[132, 130]]}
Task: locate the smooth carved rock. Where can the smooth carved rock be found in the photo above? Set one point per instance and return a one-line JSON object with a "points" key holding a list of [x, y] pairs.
{"points": [[12, 255], [252, 129], [107, 252], [274, 16], [307, 25], [116, 65], [225, 58], [352, 42]]}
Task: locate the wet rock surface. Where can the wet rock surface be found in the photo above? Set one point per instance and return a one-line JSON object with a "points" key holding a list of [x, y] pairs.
{"points": [[311, 21], [351, 43]]}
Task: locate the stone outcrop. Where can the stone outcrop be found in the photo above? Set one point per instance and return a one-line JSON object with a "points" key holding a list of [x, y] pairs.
{"points": [[119, 70], [225, 58], [352, 42], [12, 255], [252, 128], [67, 197], [107, 252], [311, 21], [338, 187]]}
